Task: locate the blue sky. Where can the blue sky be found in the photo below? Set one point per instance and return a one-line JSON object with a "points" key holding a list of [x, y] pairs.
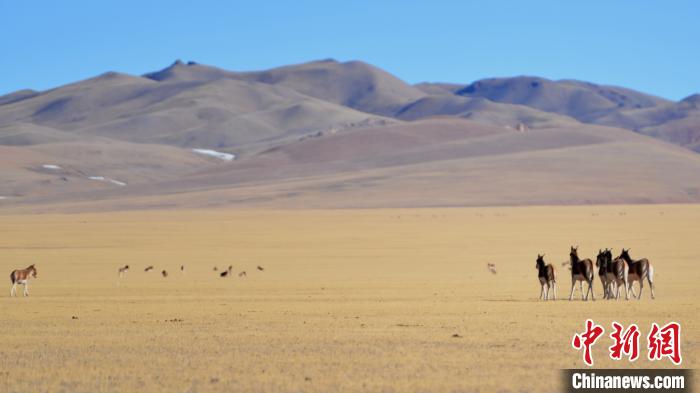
{"points": [[652, 46]]}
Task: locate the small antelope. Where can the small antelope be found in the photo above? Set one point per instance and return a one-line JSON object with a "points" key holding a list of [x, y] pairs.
{"points": [[226, 272], [182, 268], [638, 271], [123, 270], [242, 274], [581, 270], [261, 268], [547, 276], [21, 276], [216, 268], [148, 269], [164, 273], [491, 267]]}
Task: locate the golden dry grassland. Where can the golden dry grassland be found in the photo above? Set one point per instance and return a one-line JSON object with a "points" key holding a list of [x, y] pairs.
{"points": [[350, 300]]}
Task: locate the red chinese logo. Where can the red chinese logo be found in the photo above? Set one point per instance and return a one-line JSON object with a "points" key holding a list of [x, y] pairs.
{"points": [[587, 339], [665, 342], [626, 343]]}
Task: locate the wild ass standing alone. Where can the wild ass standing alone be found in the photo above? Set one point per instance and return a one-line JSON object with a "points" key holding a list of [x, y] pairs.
{"points": [[21, 276], [581, 270], [547, 276], [637, 271]]}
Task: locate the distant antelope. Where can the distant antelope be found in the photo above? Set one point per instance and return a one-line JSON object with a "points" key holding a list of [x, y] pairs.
{"points": [[581, 270], [491, 267], [216, 268], [21, 276], [261, 268], [638, 271], [547, 276], [164, 273], [226, 272], [148, 268], [242, 274], [601, 264], [182, 268], [123, 270]]}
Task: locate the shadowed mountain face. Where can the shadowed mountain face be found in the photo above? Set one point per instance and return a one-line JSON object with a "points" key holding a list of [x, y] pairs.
{"points": [[332, 134]]}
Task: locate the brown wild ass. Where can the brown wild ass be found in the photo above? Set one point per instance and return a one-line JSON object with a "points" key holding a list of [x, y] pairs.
{"points": [[617, 275], [638, 270], [581, 270], [21, 276], [602, 271], [547, 276]]}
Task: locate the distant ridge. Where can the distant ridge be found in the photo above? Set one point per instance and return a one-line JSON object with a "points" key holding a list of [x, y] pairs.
{"points": [[340, 134]]}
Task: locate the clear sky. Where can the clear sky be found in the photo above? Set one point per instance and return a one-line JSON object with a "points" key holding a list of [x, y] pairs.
{"points": [[652, 46]]}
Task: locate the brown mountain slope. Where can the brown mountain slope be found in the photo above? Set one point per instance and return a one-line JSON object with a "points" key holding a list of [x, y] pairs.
{"points": [[309, 135], [580, 100], [438, 162], [483, 111], [214, 114], [354, 84], [677, 123]]}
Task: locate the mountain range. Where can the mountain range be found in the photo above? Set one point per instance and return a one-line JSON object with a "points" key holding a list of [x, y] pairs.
{"points": [[340, 134]]}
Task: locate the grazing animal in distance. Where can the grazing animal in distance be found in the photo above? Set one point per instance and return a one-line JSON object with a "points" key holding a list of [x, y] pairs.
{"points": [[123, 270], [148, 268], [164, 273], [638, 270], [226, 272], [261, 268], [216, 268], [491, 267], [547, 276], [600, 263], [182, 268], [21, 276], [581, 270], [242, 274]]}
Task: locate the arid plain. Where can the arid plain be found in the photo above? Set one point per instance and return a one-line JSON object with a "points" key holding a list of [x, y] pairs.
{"points": [[350, 300]]}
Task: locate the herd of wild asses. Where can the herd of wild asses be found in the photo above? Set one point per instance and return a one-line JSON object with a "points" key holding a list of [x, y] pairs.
{"points": [[613, 273], [22, 276]]}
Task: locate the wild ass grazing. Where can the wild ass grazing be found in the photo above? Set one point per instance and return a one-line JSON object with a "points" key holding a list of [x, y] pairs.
{"points": [[547, 276], [226, 272], [581, 270], [123, 271], [21, 276], [638, 270]]}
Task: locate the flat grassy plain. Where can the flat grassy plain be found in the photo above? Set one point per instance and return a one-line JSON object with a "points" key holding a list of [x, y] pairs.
{"points": [[350, 300]]}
